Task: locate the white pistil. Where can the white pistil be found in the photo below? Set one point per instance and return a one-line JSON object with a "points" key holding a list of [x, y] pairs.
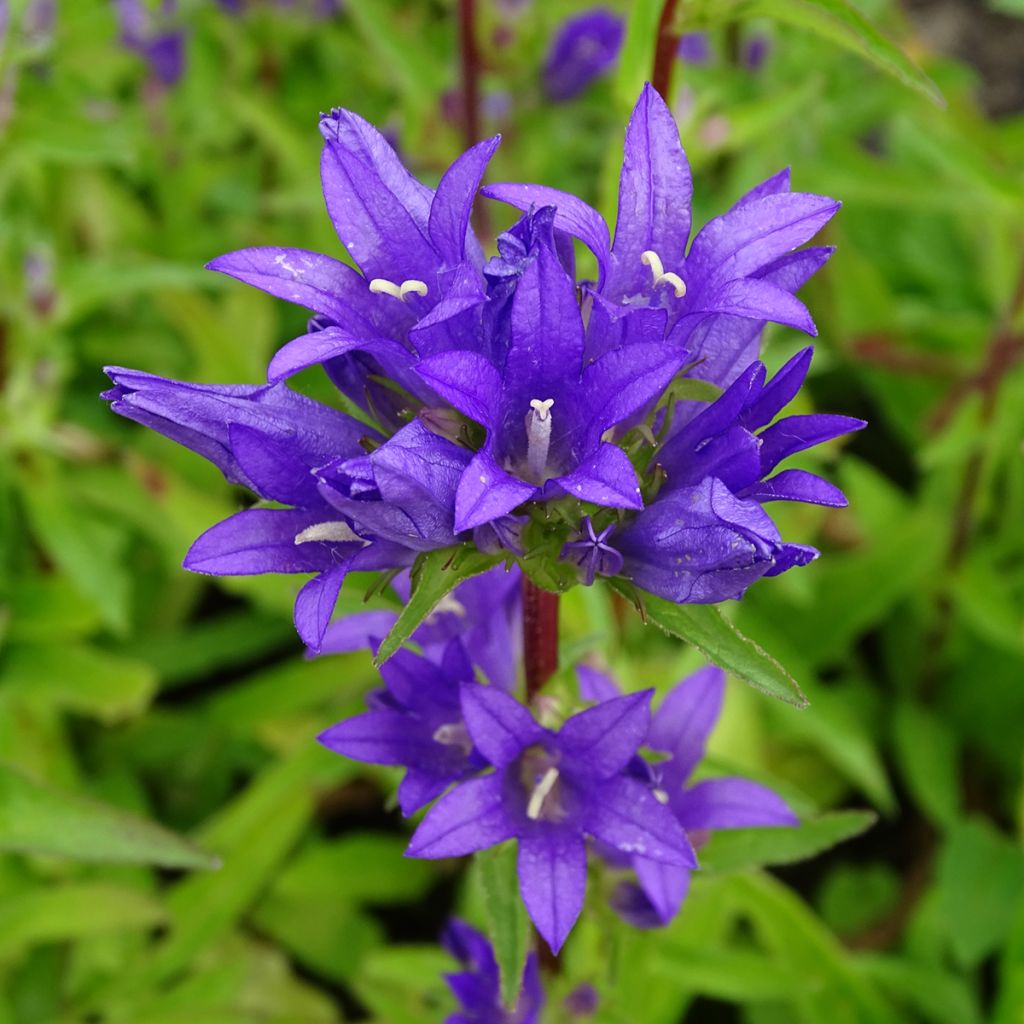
{"points": [[338, 532], [453, 734], [540, 793], [538, 437], [649, 258], [382, 286]]}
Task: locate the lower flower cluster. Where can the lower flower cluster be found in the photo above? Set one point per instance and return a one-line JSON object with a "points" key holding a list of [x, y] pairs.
{"points": [[611, 782]]}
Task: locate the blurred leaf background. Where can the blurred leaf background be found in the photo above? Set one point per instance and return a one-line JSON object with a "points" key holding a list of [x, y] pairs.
{"points": [[176, 849]]}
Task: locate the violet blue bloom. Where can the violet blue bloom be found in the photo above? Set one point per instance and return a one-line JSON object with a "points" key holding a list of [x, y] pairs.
{"points": [[478, 986], [584, 48], [419, 288], [550, 791], [414, 721], [269, 439], [694, 48], [740, 271], [706, 537], [545, 409], [484, 613], [162, 49], [680, 729]]}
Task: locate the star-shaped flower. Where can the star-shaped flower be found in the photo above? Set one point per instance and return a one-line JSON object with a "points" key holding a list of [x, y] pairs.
{"points": [[550, 791]]}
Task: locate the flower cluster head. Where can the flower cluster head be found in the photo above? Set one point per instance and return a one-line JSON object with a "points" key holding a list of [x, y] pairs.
{"points": [[502, 404]]}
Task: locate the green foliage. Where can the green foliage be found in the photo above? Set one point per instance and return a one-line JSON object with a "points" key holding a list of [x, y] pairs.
{"points": [[174, 846]]}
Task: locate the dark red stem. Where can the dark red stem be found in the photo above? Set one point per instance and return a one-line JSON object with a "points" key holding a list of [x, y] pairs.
{"points": [[470, 58], [540, 636], [665, 46]]}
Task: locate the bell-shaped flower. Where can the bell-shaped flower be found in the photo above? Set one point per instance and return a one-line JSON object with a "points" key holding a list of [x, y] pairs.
{"points": [[546, 409], [585, 47], [550, 791], [714, 297]]}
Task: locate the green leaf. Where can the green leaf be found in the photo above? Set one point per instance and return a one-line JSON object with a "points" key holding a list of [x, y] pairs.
{"points": [[926, 750], [435, 574], [841, 23], [980, 879], [637, 54], [506, 917], [59, 913], [737, 849], [38, 819], [704, 626]]}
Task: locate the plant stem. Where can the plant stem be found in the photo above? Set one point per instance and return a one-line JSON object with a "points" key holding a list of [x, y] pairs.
{"points": [[540, 636], [470, 59], [665, 45]]}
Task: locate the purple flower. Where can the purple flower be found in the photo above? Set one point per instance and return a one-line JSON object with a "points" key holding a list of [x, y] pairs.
{"points": [[550, 791], [740, 271], [163, 50], [583, 49], [269, 439], [592, 553], [694, 48], [706, 537], [414, 721], [680, 729], [755, 50], [477, 987]]}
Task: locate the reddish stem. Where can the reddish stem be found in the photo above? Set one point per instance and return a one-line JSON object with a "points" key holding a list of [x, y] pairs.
{"points": [[540, 636], [665, 46], [470, 59]]}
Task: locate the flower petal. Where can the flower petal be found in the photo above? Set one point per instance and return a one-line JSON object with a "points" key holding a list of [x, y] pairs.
{"points": [[469, 818], [795, 433], [731, 803], [469, 381], [607, 477], [487, 492], [683, 723], [378, 737], [798, 485], [448, 224], [596, 685], [600, 741], [655, 190], [314, 605], [553, 881], [624, 814], [499, 726], [275, 470], [665, 885]]}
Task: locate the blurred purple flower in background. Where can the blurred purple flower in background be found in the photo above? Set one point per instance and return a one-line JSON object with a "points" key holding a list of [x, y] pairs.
{"points": [[478, 986], [583, 49], [147, 34]]}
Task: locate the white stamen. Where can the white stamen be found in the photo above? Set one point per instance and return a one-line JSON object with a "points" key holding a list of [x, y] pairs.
{"points": [[661, 796], [382, 286], [337, 531], [449, 603], [540, 793], [453, 734], [538, 437], [649, 258]]}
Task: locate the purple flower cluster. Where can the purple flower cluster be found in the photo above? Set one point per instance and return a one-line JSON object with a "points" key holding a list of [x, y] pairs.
{"points": [[500, 402]]}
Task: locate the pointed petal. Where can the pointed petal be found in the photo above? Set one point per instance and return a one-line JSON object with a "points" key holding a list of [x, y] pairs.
{"points": [[779, 391], [798, 485], [795, 433], [601, 740], [596, 685], [624, 814], [378, 737], [553, 881], [626, 380], [756, 299], [683, 723], [454, 322], [572, 215], [546, 352], [776, 184], [319, 346], [500, 727], [320, 283], [469, 818], [731, 803], [417, 789], [655, 189], [606, 478], [382, 229], [791, 556], [751, 235], [453, 202], [261, 540], [469, 381], [487, 492], [665, 885], [314, 605]]}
